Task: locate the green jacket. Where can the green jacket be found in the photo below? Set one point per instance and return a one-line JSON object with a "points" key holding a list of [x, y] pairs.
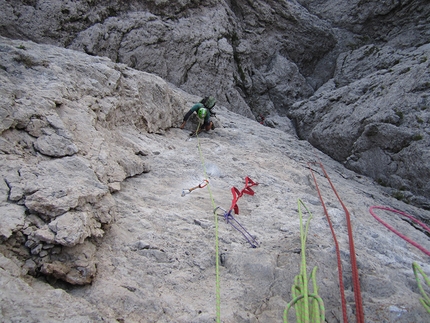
{"points": [[196, 108]]}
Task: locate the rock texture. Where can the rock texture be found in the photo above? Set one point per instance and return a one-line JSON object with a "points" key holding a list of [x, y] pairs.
{"points": [[260, 58], [377, 125], [252, 56], [94, 228], [57, 170]]}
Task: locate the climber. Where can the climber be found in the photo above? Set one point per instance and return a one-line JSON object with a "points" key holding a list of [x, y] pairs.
{"points": [[203, 110]]}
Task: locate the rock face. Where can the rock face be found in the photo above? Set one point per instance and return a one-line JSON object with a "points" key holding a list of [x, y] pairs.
{"points": [[261, 58], [377, 125], [55, 169], [251, 56], [94, 228]]}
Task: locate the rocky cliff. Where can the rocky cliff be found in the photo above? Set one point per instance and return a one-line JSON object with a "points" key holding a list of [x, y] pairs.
{"points": [[94, 225], [92, 222], [357, 69]]}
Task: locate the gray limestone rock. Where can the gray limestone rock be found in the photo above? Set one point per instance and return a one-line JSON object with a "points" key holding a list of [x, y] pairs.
{"points": [[375, 121], [93, 224], [259, 59], [54, 145], [12, 219]]}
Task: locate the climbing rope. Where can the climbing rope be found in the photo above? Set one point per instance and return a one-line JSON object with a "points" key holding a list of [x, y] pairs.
{"points": [[217, 276], [309, 307], [339, 262], [425, 301], [427, 252], [355, 279]]}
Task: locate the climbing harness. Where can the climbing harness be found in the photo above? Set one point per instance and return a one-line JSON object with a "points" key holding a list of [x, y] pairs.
{"points": [[195, 133], [355, 279], [228, 216], [203, 184], [425, 301], [427, 252], [309, 306]]}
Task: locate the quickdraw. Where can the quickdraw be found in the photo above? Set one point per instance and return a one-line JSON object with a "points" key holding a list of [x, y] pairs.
{"points": [[228, 216], [201, 185]]}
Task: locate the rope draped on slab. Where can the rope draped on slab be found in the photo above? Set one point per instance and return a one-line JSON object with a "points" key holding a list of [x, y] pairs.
{"points": [[415, 244], [359, 312], [425, 300]]}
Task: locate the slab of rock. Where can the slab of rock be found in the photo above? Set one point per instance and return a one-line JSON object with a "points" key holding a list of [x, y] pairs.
{"points": [[137, 247]]}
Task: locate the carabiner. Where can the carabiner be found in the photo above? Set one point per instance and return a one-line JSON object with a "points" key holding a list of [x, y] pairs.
{"points": [[204, 183]]}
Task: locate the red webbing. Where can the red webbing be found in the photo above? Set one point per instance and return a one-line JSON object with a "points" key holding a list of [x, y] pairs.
{"points": [[237, 194]]}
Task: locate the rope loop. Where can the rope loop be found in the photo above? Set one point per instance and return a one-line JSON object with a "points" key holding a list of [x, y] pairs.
{"points": [[309, 306], [425, 301]]}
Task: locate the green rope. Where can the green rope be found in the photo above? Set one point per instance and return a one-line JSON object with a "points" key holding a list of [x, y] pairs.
{"points": [[217, 284], [425, 301], [309, 307]]}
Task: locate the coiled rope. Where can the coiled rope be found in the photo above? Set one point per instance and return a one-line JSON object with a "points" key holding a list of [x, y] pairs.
{"points": [[355, 278], [425, 301], [217, 276], [309, 306]]}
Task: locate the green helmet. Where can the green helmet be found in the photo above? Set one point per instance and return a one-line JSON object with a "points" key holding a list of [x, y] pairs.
{"points": [[202, 113]]}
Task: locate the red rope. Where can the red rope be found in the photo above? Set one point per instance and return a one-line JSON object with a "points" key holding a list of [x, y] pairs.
{"points": [[354, 268], [339, 263], [397, 232], [356, 279]]}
